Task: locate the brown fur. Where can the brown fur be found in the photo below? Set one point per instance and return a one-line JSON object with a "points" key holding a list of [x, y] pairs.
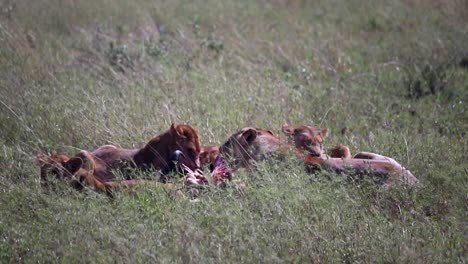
{"points": [[52, 163], [208, 154], [340, 151], [363, 163], [384, 171], [156, 154], [71, 170], [306, 138], [249, 145]]}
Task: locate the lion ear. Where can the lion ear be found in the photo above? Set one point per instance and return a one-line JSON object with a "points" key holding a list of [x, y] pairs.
{"points": [[73, 165], [324, 132], [179, 130], [249, 135], [287, 129], [174, 127]]}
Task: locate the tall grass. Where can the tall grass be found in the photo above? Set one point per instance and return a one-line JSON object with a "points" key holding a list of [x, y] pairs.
{"points": [[383, 76]]}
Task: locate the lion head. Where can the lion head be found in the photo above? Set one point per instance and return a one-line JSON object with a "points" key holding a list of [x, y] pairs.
{"points": [[307, 138], [249, 145]]}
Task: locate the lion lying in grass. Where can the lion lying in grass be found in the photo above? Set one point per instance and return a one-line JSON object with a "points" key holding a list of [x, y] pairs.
{"points": [[72, 171], [384, 169], [243, 149], [157, 154], [177, 148], [249, 145]]}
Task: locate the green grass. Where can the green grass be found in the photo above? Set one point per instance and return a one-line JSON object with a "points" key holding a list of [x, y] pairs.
{"points": [[383, 76]]}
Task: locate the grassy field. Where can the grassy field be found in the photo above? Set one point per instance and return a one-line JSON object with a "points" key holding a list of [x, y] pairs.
{"points": [[383, 76]]}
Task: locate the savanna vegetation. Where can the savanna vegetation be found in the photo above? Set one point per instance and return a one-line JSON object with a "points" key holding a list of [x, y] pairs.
{"points": [[383, 76]]}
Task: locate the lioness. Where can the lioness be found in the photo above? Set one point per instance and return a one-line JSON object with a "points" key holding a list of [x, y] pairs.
{"points": [[307, 138], [208, 155], [249, 145], [365, 163], [157, 154], [72, 170]]}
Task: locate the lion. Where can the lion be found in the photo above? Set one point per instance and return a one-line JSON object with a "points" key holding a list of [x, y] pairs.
{"points": [[306, 138], [208, 154], [72, 171], [385, 169], [157, 154], [249, 145], [343, 151]]}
